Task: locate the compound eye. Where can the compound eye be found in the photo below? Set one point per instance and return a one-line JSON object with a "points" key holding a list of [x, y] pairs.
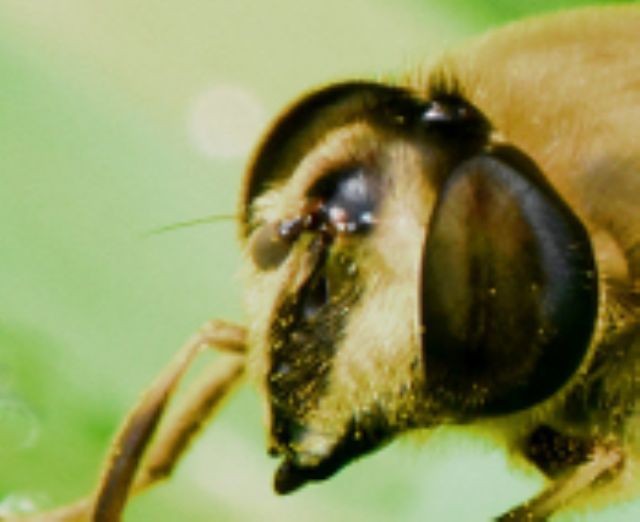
{"points": [[349, 198], [510, 290]]}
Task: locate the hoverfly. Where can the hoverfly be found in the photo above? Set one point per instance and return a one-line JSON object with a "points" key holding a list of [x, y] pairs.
{"points": [[458, 248]]}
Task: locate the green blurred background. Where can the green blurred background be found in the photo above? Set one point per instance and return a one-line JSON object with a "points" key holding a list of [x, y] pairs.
{"points": [[123, 116]]}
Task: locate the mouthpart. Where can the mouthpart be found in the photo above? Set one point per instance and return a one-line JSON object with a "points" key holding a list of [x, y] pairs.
{"points": [[299, 468]]}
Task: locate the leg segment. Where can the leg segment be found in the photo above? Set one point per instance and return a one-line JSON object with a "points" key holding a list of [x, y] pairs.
{"points": [[133, 439], [195, 411], [134, 436], [604, 461]]}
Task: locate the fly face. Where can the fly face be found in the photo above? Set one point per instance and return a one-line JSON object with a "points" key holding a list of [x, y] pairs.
{"points": [[406, 269], [337, 250]]}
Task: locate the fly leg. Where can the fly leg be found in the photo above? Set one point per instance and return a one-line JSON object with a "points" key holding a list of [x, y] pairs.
{"points": [[577, 465], [125, 471]]}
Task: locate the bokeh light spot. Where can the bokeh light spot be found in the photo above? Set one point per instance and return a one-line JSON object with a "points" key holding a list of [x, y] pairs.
{"points": [[225, 121]]}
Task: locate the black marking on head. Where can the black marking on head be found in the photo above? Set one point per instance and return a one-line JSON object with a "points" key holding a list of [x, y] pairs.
{"points": [[454, 124], [306, 329], [509, 288]]}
